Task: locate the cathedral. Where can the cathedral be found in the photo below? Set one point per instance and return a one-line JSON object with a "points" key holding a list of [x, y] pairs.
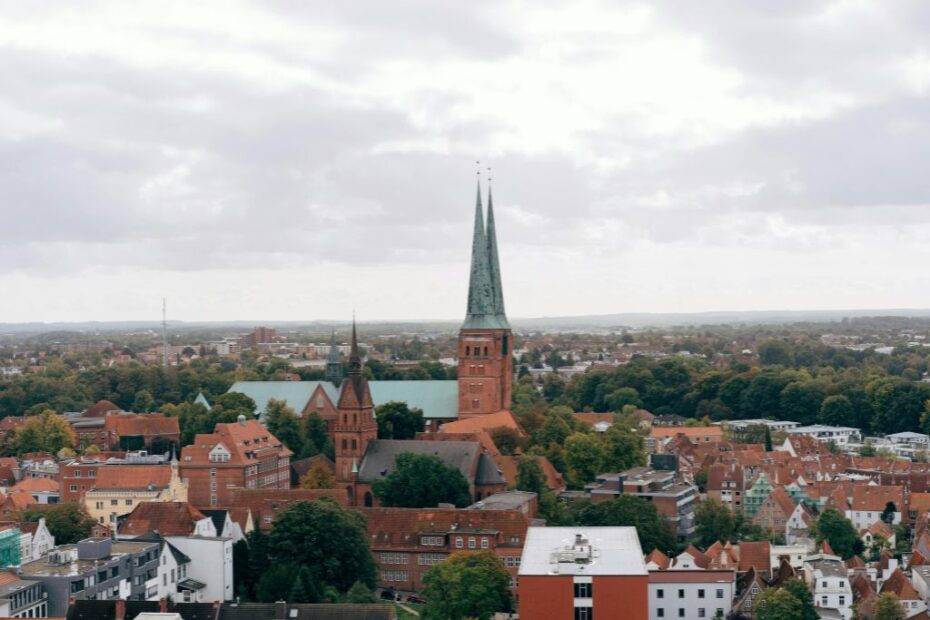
{"points": [[483, 387]]}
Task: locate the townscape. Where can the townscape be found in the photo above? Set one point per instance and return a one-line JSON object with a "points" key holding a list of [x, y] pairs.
{"points": [[702, 474]]}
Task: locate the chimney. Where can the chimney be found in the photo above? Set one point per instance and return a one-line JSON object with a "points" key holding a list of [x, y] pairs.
{"points": [[120, 612], [162, 605], [280, 610]]}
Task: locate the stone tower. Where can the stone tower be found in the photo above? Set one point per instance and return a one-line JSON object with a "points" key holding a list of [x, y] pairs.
{"points": [[355, 425], [485, 347]]}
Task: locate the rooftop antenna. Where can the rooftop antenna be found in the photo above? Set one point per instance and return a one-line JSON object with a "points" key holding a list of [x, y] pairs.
{"points": [[164, 332]]}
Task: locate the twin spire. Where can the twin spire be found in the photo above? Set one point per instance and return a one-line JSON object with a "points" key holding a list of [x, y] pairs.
{"points": [[485, 293]]}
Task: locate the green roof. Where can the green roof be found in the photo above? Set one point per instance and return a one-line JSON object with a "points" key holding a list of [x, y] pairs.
{"points": [[295, 393], [437, 399]]}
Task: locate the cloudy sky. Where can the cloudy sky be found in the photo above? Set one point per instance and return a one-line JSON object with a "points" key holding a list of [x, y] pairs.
{"points": [[297, 160]]}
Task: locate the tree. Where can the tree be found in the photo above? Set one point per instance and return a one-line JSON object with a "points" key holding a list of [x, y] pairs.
{"points": [[259, 562], [779, 604], [837, 410], [328, 539], [422, 481], [467, 585], [775, 352], [319, 476], [898, 404], [530, 476], [713, 522], [621, 397], [242, 578], [887, 607], [839, 532], [624, 449], [276, 583], [801, 401], [67, 522], [584, 455], [398, 421], [46, 432], [360, 594], [508, 440], [143, 402], [282, 422], [304, 588], [654, 531], [888, 513], [798, 588], [768, 438], [314, 435]]}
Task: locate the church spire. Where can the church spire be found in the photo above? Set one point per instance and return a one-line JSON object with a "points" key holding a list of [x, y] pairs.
{"points": [[355, 361], [493, 262], [484, 310], [333, 365]]}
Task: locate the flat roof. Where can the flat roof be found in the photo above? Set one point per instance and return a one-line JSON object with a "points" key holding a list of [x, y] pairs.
{"points": [[601, 551]]}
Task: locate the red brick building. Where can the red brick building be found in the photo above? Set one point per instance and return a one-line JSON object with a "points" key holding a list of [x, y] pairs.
{"points": [[406, 542], [146, 428], [485, 347], [241, 454], [583, 573]]}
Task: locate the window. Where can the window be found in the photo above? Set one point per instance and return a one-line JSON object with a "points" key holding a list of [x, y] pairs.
{"points": [[128, 502], [429, 559], [393, 558], [701, 613], [842, 600], [823, 601], [73, 488], [701, 593], [213, 471], [824, 584], [719, 592], [681, 593], [582, 590], [484, 543], [101, 576], [114, 502], [681, 612], [719, 612], [584, 613], [459, 543], [472, 543], [394, 575], [114, 572], [660, 612], [172, 575], [432, 541], [660, 593], [99, 505], [164, 579]]}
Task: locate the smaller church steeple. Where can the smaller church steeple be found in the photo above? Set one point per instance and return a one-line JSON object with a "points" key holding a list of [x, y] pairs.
{"points": [[333, 364]]}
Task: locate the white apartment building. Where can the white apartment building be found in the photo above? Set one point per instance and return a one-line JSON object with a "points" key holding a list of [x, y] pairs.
{"points": [[840, 435], [690, 594], [829, 581], [212, 564]]}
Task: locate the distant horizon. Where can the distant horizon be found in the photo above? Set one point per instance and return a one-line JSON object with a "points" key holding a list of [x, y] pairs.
{"points": [[630, 319]]}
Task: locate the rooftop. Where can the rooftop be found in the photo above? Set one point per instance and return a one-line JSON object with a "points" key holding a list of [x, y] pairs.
{"points": [[582, 551]]}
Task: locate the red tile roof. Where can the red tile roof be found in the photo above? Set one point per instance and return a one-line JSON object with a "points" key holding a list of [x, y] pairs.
{"points": [[146, 425], [756, 555], [399, 527], [100, 409], [166, 518], [658, 558], [901, 586], [246, 442], [36, 485], [482, 423], [133, 476], [875, 498]]}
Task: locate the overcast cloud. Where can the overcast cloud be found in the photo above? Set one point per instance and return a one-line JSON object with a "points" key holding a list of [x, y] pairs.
{"points": [[296, 160]]}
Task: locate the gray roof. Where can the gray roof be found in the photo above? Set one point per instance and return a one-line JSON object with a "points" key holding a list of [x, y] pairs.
{"points": [[485, 294], [437, 399], [379, 460], [582, 551]]}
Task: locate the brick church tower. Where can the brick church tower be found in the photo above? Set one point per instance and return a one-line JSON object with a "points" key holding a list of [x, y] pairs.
{"points": [[485, 348], [355, 425]]}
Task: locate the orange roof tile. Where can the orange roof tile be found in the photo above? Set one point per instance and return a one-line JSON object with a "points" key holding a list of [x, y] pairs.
{"points": [[36, 485], [661, 432], [482, 423], [133, 476], [900, 585], [755, 555], [166, 518], [142, 424]]}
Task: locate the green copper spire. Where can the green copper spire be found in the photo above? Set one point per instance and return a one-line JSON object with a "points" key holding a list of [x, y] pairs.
{"points": [[493, 262], [483, 311]]}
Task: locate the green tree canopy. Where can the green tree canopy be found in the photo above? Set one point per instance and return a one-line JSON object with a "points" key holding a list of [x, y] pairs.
{"points": [[713, 521], [776, 604], [45, 432], [584, 455], [67, 522], [422, 481], [654, 530], [887, 607], [398, 421], [283, 423], [467, 585], [530, 476], [839, 532], [798, 588], [837, 410], [329, 540]]}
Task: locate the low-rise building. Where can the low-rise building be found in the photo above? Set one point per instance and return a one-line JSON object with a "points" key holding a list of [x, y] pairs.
{"points": [[583, 573], [96, 568], [828, 579], [209, 577], [674, 499], [840, 435], [21, 598], [691, 594], [118, 489]]}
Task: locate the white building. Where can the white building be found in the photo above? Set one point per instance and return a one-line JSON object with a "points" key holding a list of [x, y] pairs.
{"points": [[212, 565], [828, 579], [35, 540], [794, 553], [740, 426], [690, 594], [909, 437], [840, 435]]}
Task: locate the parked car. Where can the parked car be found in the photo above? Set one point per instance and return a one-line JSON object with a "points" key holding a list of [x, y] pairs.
{"points": [[413, 598], [389, 594]]}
